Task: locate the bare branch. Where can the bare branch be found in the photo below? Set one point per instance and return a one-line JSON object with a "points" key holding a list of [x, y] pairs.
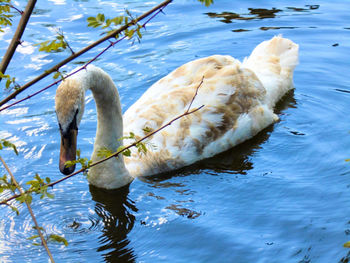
{"points": [[18, 10], [30, 210], [16, 40], [200, 84], [82, 51], [187, 112]]}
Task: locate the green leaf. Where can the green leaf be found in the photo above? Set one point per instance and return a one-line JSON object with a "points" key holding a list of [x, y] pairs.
{"points": [[127, 152], [147, 129], [141, 147], [104, 152], [33, 237], [57, 238], [50, 195], [118, 20], [101, 17], [347, 244], [206, 2], [40, 228], [91, 19], [56, 75], [6, 144], [25, 198], [139, 33], [14, 209]]}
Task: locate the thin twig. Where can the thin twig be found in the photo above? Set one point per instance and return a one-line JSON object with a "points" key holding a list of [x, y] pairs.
{"points": [[18, 10], [187, 112], [60, 33], [82, 51], [200, 84], [16, 40], [29, 209]]}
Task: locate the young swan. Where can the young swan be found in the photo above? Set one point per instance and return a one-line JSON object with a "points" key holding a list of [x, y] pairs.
{"points": [[238, 98]]}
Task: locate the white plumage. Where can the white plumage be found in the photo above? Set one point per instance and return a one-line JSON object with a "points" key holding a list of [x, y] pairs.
{"points": [[238, 101]]}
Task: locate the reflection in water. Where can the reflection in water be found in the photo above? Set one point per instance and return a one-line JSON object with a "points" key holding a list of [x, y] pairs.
{"points": [[257, 13], [265, 28], [116, 212], [254, 13], [345, 259]]}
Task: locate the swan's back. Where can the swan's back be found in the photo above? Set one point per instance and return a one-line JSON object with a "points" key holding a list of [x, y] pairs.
{"points": [[236, 107]]}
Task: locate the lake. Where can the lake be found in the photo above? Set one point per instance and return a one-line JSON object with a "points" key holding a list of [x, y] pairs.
{"points": [[282, 196]]}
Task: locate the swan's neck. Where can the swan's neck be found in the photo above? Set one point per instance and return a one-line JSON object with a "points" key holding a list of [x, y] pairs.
{"points": [[112, 173]]}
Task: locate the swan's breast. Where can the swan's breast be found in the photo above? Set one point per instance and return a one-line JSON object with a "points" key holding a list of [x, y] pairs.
{"points": [[234, 110]]}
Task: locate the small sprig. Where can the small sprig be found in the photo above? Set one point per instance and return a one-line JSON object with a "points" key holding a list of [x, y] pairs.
{"points": [[84, 162], [101, 21], [141, 146], [57, 75], [59, 44], [25, 195], [112, 23], [5, 17], [9, 80], [9, 185], [48, 237], [39, 186]]}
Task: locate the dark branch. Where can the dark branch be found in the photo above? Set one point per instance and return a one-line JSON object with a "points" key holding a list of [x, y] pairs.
{"points": [[16, 40], [82, 51]]}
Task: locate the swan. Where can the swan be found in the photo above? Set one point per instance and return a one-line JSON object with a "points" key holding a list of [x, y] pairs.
{"points": [[238, 101]]}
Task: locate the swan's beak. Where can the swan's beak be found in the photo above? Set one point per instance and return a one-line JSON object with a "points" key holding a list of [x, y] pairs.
{"points": [[68, 150]]}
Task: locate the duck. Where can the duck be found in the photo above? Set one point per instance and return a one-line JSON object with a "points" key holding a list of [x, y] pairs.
{"points": [[235, 101]]}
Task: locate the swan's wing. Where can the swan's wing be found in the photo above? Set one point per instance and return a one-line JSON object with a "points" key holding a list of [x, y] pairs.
{"points": [[234, 110]]}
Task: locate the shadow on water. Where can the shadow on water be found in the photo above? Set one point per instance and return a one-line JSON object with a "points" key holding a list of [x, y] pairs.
{"points": [[116, 211]]}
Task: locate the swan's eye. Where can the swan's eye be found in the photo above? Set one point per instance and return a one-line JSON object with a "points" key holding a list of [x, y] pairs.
{"points": [[73, 125]]}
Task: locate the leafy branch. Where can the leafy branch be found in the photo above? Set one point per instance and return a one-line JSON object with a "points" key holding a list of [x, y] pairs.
{"points": [[9, 80], [48, 238], [5, 16], [156, 10], [28, 201], [58, 44], [110, 23]]}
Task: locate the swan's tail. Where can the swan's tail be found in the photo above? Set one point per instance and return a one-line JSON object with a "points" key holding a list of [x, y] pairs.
{"points": [[273, 61]]}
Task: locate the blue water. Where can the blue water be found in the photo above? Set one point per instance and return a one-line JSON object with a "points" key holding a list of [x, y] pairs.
{"points": [[281, 197]]}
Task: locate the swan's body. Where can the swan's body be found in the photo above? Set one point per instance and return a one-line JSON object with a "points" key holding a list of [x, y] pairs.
{"points": [[238, 101]]}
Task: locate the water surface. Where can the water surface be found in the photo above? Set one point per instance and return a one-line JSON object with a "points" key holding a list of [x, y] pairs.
{"points": [[281, 197]]}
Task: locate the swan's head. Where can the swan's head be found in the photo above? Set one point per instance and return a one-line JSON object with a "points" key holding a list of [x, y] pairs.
{"points": [[69, 104]]}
